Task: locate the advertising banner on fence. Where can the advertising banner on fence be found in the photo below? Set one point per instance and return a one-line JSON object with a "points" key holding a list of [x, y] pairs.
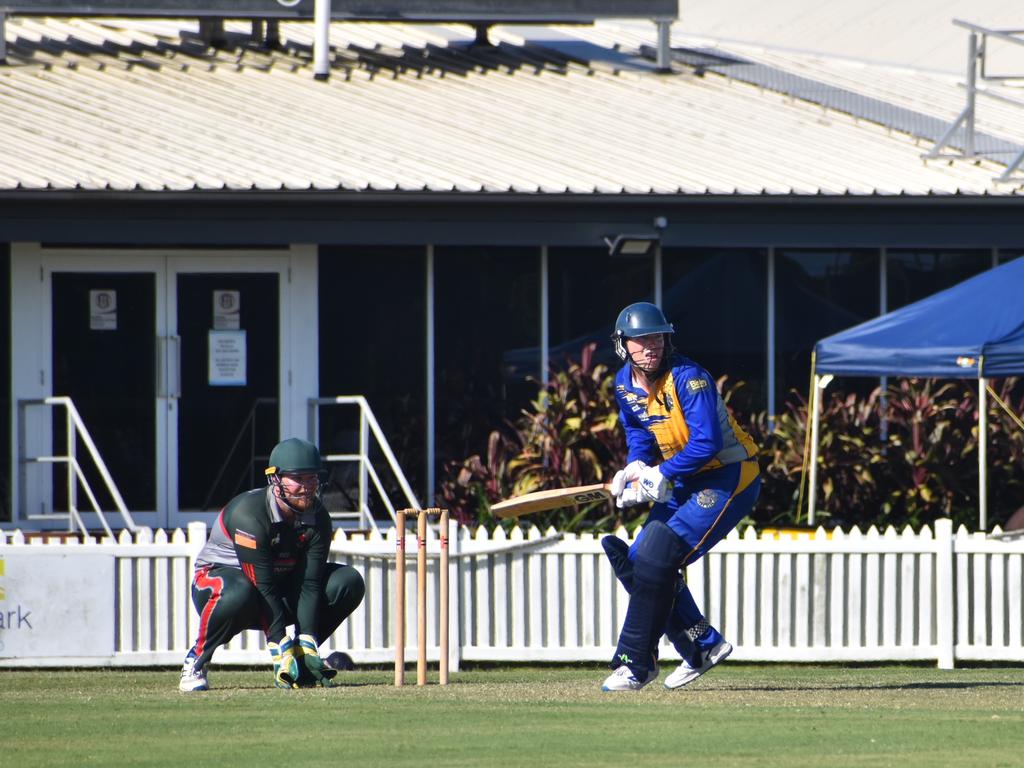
{"points": [[56, 605]]}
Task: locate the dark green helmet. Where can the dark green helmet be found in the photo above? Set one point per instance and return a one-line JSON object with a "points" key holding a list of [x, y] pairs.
{"points": [[294, 456], [639, 319]]}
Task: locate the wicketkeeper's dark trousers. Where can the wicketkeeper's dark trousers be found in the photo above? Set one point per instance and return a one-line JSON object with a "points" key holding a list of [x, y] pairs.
{"points": [[229, 603]]}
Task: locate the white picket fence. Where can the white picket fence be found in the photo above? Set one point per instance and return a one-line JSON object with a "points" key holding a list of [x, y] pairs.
{"points": [[545, 596]]}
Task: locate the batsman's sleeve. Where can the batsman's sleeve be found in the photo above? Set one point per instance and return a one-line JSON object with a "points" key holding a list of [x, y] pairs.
{"points": [[252, 545], [699, 400], [640, 443], [313, 574]]}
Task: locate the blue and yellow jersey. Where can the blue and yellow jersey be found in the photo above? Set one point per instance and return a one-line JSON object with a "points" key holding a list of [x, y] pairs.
{"points": [[682, 424]]}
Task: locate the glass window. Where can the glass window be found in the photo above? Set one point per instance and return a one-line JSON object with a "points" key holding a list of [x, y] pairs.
{"points": [[373, 343], [5, 383], [586, 290], [915, 274], [717, 300], [818, 293], [487, 330]]}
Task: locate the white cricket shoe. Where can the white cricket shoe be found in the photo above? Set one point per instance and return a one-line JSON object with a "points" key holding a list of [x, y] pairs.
{"points": [[704, 659], [192, 678], [623, 679]]}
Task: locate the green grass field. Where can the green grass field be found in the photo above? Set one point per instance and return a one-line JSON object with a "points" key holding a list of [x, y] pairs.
{"points": [[739, 714]]}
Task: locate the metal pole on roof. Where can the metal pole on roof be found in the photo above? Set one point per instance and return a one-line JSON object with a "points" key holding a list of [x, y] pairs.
{"points": [[321, 41], [664, 61], [3, 38], [972, 75]]}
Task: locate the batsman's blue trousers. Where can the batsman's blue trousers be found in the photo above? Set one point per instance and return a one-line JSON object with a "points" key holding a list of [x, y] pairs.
{"points": [[707, 506]]}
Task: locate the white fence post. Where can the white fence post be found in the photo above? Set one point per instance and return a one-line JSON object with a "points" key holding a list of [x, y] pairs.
{"points": [[455, 600], [944, 593]]}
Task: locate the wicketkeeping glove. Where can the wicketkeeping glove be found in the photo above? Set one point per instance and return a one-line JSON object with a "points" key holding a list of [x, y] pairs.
{"points": [[311, 660], [286, 666], [653, 485]]}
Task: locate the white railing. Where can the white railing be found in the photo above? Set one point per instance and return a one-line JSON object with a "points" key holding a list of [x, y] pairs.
{"points": [[963, 128], [75, 429], [367, 473], [543, 596]]}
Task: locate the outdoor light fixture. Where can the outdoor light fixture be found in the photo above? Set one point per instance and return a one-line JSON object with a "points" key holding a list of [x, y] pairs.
{"points": [[631, 245]]}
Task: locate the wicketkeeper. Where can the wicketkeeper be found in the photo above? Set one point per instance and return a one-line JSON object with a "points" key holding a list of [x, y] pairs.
{"points": [[265, 567], [689, 458]]}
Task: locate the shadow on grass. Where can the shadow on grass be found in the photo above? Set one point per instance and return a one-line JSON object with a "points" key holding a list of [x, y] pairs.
{"points": [[950, 686]]}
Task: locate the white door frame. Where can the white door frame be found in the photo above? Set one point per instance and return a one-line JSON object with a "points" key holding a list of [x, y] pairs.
{"points": [[32, 267]]}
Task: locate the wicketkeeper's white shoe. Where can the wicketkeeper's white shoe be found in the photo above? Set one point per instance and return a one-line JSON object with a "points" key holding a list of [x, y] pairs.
{"points": [[702, 661], [192, 678], [623, 679]]}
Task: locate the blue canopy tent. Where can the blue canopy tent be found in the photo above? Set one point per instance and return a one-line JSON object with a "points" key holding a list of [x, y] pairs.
{"points": [[974, 330]]}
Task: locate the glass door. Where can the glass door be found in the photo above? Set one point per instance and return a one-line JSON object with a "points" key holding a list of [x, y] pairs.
{"points": [[104, 359], [228, 411], [107, 319], [226, 324]]}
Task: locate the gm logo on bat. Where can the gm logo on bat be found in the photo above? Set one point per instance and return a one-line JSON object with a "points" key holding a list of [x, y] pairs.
{"points": [[579, 498]]}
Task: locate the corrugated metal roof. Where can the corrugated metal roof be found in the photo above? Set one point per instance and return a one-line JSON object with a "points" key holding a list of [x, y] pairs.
{"points": [[91, 104], [921, 103]]}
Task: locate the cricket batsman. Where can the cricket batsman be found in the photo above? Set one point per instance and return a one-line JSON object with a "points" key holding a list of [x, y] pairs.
{"points": [[697, 467], [265, 567]]}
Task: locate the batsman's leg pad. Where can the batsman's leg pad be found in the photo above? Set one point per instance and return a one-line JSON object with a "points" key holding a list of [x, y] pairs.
{"points": [[685, 606], [657, 556], [683, 617], [617, 552], [650, 602]]}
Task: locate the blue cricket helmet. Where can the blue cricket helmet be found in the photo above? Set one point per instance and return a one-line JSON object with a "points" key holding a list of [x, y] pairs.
{"points": [[639, 319]]}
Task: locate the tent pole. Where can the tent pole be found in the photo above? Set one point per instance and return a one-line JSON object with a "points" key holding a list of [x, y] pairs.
{"points": [[982, 452], [812, 474]]}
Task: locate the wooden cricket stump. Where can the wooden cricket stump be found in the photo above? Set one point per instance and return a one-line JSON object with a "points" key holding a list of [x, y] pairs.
{"points": [[421, 595]]}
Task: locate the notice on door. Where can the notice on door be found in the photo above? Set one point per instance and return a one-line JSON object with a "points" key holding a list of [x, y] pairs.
{"points": [[102, 310], [227, 310], [227, 358]]}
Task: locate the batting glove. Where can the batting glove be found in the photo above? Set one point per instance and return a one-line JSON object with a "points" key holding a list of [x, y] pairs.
{"points": [[653, 485], [623, 476], [311, 660], [286, 666], [630, 496]]}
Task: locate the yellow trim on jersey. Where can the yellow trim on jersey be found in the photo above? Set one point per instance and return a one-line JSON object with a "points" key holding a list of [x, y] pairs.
{"points": [[667, 423]]}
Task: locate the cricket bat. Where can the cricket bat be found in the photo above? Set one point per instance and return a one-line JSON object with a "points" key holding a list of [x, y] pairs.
{"points": [[542, 501]]}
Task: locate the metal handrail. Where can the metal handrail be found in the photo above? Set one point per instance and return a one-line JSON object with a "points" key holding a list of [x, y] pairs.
{"points": [[75, 428], [250, 421], [368, 426], [977, 55]]}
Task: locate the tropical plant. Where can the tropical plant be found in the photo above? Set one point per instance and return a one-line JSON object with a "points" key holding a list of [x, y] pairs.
{"points": [[905, 455], [568, 436]]}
